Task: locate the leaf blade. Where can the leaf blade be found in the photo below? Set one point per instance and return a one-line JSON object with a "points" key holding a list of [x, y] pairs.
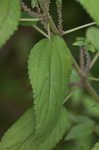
{"points": [[9, 19], [92, 8], [19, 132], [48, 60], [92, 35], [96, 147]]}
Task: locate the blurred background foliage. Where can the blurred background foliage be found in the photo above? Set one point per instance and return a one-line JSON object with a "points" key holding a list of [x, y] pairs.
{"points": [[15, 88]]}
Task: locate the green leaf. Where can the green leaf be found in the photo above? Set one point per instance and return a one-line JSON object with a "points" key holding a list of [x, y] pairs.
{"points": [[59, 2], [97, 129], [80, 131], [65, 146], [29, 142], [80, 144], [96, 147], [41, 128], [74, 76], [79, 119], [9, 17], [77, 96], [80, 41], [93, 36], [91, 106], [90, 47], [26, 15], [84, 143], [55, 135], [82, 135], [84, 119], [50, 66], [34, 3], [21, 131], [91, 7]]}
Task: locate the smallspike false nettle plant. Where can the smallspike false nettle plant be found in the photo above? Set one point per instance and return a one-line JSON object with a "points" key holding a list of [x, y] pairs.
{"points": [[52, 70]]}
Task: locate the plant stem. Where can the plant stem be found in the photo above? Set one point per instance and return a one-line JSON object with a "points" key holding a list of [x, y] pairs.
{"points": [[94, 60], [41, 31], [37, 28], [93, 79], [52, 25], [78, 28], [59, 11], [91, 91], [32, 13], [69, 96], [88, 87], [29, 19], [49, 32], [49, 18], [77, 68], [55, 31]]}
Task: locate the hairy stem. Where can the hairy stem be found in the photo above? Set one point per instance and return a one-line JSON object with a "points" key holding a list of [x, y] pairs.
{"points": [[82, 59], [88, 87], [59, 11], [41, 31], [29, 19], [69, 96], [49, 18], [34, 26], [79, 27], [94, 60], [32, 13], [91, 90], [93, 79]]}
